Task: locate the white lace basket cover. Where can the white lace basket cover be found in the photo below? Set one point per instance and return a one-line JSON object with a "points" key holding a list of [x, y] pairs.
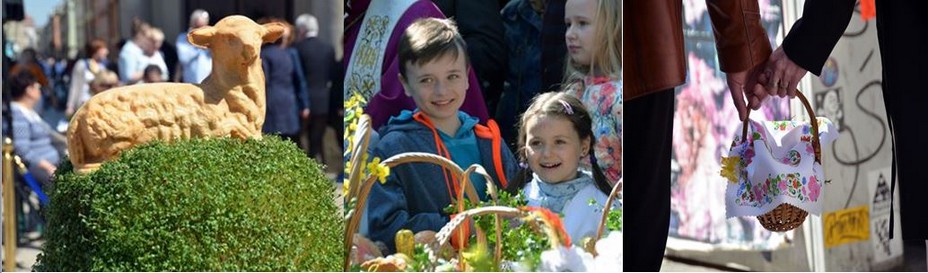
{"points": [[776, 166]]}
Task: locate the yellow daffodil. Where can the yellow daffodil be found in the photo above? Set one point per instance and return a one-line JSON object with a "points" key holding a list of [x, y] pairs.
{"points": [[350, 144], [376, 169], [730, 168], [479, 258], [356, 100], [345, 187], [348, 167], [353, 126]]}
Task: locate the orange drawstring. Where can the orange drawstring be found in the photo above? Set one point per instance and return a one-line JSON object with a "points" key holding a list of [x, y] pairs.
{"points": [[451, 184], [491, 131]]}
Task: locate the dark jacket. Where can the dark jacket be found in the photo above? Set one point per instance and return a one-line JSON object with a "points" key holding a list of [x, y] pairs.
{"points": [[281, 90], [553, 46], [317, 58], [482, 28], [810, 41], [653, 47], [901, 30], [523, 80], [415, 194]]}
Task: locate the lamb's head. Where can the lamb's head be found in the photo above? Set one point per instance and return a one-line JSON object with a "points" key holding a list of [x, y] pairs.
{"points": [[236, 39]]}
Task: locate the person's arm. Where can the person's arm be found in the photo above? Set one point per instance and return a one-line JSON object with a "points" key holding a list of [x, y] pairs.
{"points": [[743, 48], [388, 213], [812, 38], [124, 63], [129, 73], [159, 61], [510, 166], [336, 93], [22, 135], [78, 82], [266, 66], [806, 46], [186, 52], [302, 91], [740, 38]]}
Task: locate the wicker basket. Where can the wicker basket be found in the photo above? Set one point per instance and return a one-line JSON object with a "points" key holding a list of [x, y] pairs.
{"points": [[602, 221], [359, 190], [787, 217], [444, 235]]}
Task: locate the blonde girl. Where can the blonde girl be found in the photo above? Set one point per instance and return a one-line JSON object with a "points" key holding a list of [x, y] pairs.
{"points": [[594, 65]]}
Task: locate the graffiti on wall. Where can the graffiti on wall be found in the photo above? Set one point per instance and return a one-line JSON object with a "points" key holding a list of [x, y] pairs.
{"points": [[880, 202], [849, 92]]}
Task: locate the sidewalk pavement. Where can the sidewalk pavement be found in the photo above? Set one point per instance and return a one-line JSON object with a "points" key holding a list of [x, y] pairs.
{"points": [[26, 255], [915, 260], [673, 265]]}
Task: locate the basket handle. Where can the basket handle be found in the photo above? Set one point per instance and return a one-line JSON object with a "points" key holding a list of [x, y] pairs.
{"points": [[816, 144], [443, 237], [605, 214], [365, 187], [492, 192]]}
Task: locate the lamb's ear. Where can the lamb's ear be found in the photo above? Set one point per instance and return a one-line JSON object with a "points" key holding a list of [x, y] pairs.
{"points": [[273, 31], [201, 36]]}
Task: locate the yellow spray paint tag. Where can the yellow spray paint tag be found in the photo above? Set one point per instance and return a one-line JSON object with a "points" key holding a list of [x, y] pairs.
{"points": [[847, 226]]}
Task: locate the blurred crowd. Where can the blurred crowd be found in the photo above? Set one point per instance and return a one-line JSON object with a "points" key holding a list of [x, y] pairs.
{"points": [[42, 92]]}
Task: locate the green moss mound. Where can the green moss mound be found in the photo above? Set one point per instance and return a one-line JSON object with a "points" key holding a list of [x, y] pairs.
{"points": [[196, 205]]}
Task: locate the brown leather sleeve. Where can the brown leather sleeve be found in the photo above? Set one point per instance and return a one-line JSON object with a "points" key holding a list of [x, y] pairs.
{"points": [[740, 38], [653, 56]]}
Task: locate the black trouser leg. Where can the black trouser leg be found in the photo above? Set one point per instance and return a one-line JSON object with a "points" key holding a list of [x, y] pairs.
{"points": [[317, 126], [648, 131]]}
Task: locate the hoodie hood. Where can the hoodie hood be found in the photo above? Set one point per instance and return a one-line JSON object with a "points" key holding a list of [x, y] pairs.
{"points": [[405, 122]]}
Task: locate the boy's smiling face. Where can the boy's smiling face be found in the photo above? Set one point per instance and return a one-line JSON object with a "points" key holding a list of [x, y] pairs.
{"points": [[438, 86]]}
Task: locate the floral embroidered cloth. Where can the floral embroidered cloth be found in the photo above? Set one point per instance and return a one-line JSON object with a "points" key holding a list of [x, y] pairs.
{"points": [[776, 166], [603, 98]]}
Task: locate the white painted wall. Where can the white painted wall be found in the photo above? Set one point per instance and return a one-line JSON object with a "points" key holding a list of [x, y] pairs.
{"points": [[862, 153]]}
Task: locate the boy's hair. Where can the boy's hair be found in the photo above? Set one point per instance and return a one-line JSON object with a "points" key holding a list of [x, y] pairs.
{"points": [[152, 68], [564, 105], [427, 39], [607, 52], [19, 82]]}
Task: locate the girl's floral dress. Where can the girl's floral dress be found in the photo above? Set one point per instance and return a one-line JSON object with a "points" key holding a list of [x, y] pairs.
{"points": [[603, 99]]}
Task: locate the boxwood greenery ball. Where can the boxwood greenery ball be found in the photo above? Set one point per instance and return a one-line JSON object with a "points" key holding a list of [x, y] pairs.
{"points": [[196, 205]]}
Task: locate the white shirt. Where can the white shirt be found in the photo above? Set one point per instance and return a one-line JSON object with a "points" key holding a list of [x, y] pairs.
{"points": [[197, 62], [579, 217], [132, 60]]}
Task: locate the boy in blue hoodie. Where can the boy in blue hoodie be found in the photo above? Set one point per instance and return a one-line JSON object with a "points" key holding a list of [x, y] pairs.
{"points": [[434, 74]]}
